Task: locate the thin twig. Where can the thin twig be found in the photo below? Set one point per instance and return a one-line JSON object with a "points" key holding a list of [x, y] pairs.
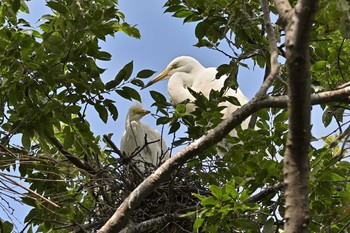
{"points": [[29, 190], [113, 146]]}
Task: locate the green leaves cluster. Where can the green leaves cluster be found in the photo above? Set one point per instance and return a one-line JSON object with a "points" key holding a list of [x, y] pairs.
{"points": [[237, 23], [225, 210], [49, 77]]}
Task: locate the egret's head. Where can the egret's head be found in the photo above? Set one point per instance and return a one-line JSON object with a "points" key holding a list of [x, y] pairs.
{"points": [[183, 64], [136, 112]]}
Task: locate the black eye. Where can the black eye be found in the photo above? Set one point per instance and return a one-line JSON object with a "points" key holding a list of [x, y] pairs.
{"points": [[175, 65]]}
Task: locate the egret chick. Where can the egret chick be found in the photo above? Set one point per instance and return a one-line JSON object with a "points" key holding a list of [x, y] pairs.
{"points": [[135, 136]]}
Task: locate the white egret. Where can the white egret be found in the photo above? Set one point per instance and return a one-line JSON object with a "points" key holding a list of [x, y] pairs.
{"points": [[139, 135], [184, 72]]}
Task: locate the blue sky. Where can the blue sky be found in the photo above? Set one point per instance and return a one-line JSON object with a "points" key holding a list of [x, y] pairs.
{"points": [[163, 38]]}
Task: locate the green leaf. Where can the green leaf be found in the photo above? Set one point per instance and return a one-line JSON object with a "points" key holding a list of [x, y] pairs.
{"points": [[16, 5], [68, 140], [123, 94], [231, 191], [174, 127], [124, 73], [157, 97], [198, 223], [128, 70], [319, 66], [181, 108], [163, 120], [145, 73], [26, 140], [327, 117], [137, 82], [74, 109], [210, 201], [112, 109], [132, 93], [201, 29], [60, 8], [111, 84], [188, 214], [6, 227], [104, 56], [102, 112], [216, 191]]}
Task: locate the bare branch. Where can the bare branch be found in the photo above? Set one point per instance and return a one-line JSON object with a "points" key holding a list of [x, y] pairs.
{"points": [[29, 190], [5, 149], [273, 50]]}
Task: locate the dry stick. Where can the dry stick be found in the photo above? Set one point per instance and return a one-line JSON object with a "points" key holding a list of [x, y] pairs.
{"points": [[121, 215], [7, 150], [29, 190]]}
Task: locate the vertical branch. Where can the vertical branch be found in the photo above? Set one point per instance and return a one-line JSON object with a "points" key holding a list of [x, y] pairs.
{"points": [[296, 162], [272, 49]]}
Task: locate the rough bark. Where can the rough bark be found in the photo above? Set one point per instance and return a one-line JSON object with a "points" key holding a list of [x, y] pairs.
{"points": [[298, 23]]}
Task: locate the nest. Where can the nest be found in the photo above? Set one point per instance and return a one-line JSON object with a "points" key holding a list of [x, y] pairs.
{"points": [[169, 201], [161, 210]]}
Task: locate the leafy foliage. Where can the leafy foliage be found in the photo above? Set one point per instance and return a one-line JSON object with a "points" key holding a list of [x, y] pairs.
{"points": [[50, 76]]}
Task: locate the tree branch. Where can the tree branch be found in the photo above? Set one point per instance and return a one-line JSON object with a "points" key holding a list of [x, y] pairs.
{"points": [[284, 10], [113, 146], [29, 190], [152, 224], [72, 158], [296, 160], [273, 50], [120, 218], [265, 192]]}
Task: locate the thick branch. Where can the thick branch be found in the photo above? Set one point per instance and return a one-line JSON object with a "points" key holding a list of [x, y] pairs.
{"points": [[119, 219], [284, 10], [296, 161]]}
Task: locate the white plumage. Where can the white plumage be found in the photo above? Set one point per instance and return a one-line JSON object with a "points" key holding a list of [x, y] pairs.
{"points": [[134, 136], [184, 72]]}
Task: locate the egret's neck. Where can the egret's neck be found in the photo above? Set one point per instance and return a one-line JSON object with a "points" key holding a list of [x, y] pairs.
{"points": [[129, 120], [177, 87]]}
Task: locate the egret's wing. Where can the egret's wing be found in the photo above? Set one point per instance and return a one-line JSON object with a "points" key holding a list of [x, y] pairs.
{"points": [[132, 140], [157, 150]]}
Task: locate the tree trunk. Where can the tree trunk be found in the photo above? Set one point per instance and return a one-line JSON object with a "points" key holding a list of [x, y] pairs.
{"points": [[296, 161]]}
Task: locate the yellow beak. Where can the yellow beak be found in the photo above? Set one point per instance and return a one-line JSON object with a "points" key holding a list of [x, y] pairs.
{"points": [[160, 77], [142, 112]]}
